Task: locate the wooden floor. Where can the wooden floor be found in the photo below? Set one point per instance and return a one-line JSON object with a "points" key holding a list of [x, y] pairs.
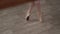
{"points": [[12, 20]]}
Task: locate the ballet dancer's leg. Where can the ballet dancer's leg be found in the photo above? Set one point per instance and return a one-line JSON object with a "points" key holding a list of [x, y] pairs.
{"points": [[39, 13], [29, 11]]}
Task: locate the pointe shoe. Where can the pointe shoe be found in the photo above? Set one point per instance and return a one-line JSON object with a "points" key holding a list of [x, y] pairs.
{"points": [[40, 19], [27, 17]]}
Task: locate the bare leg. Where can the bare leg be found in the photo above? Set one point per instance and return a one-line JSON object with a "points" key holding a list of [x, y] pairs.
{"points": [[39, 13], [29, 11]]}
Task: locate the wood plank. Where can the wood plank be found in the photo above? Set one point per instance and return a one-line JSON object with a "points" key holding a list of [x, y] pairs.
{"points": [[10, 3]]}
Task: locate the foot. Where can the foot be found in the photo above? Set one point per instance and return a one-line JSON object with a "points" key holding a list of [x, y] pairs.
{"points": [[27, 18], [40, 19]]}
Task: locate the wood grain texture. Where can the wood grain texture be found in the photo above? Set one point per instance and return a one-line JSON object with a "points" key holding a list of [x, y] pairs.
{"points": [[10, 3]]}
